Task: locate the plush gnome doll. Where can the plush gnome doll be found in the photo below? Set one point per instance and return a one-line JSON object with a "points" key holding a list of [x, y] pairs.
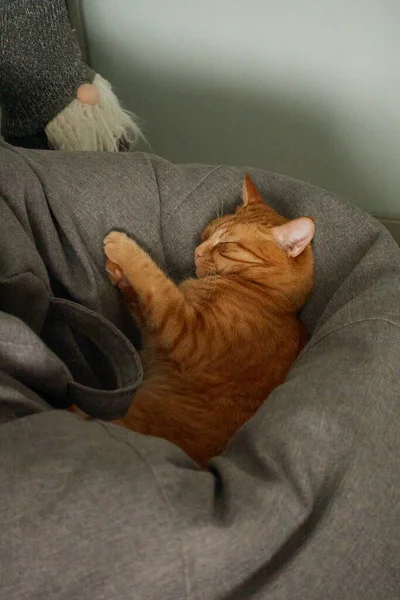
{"points": [[49, 97]]}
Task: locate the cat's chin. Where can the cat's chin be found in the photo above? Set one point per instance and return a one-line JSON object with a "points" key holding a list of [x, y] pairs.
{"points": [[200, 273]]}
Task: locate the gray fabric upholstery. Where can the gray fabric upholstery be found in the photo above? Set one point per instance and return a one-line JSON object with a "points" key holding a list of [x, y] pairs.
{"points": [[304, 504]]}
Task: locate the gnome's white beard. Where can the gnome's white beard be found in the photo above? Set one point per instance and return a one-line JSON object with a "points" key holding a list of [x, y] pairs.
{"points": [[93, 127]]}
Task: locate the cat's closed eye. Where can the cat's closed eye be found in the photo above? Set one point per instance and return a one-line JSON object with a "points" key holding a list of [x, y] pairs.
{"points": [[226, 248], [225, 244]]}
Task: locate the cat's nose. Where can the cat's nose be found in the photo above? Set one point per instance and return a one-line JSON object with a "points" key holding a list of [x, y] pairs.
{"points": [[200, 250]]}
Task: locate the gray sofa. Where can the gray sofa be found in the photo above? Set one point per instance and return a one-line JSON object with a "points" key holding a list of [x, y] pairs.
{"points": [[304, 504]]}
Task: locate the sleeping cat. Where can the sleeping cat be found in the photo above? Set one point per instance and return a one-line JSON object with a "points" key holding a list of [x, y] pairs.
{"points": [[215, 346]]}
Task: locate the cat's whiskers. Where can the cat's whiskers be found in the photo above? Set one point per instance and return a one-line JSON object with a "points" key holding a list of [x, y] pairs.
{"points": [[213, 276], [220, 210], [191, 272]]}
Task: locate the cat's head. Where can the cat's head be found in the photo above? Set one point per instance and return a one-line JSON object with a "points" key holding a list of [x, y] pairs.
{"points": [[258, 244]]}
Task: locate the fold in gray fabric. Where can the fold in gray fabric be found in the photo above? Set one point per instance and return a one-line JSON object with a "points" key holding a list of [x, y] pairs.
{"points": [[305, 502]]}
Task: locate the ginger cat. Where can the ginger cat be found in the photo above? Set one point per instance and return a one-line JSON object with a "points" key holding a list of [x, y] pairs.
{"points": [[215, 347]]}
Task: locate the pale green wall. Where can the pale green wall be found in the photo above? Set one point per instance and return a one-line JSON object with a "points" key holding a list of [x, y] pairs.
{"points": [[310, 88]]}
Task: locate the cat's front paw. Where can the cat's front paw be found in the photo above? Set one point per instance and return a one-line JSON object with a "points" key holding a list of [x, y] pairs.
{"points": [[118, 246]]}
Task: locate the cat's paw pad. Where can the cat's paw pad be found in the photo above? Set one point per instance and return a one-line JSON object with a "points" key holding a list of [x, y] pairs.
{"points": [[119, 280], [114, 272]]}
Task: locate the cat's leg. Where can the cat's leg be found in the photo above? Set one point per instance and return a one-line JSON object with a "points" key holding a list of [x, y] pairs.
{"points": [[161, 302], [118, 279]]}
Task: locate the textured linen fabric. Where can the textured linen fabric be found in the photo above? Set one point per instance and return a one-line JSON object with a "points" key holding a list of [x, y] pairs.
{"points": [[305, 502]]}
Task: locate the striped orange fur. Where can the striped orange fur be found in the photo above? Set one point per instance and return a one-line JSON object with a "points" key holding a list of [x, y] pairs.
{"points": [[215, 346]]}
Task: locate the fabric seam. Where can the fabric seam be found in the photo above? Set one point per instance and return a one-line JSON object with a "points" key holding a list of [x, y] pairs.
{"points": [[357, 322], [191, 192]]}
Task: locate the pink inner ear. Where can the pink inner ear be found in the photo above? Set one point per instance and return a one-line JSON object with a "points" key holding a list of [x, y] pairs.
{"points": [[294, 236]]}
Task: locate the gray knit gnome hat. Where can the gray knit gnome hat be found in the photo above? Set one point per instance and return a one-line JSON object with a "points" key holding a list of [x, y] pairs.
{"points": [[41, 66]]}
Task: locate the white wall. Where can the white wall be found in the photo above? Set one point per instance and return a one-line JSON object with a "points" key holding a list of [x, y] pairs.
{"points": [[310, 88]]}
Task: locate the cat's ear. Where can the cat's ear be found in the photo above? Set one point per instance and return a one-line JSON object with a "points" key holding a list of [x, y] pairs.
{"points": [[251, 195], [294, 236]]}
